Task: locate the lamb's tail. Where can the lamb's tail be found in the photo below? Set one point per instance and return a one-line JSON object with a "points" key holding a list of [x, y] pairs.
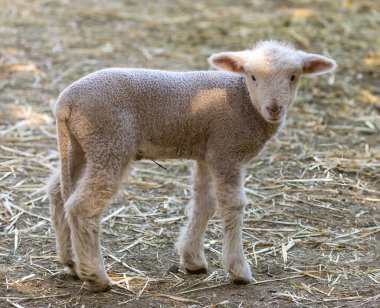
{"points": [[62, 113]]}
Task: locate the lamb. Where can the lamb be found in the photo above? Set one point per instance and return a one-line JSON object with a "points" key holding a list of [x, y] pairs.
{"points": [[221, 119]]}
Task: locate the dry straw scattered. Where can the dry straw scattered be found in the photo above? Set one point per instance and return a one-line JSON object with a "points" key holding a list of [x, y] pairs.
{"points": [[313, 226]]}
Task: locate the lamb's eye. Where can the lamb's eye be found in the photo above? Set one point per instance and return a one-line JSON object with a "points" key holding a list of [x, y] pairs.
{"points": [[293, 77], [253, 78]]}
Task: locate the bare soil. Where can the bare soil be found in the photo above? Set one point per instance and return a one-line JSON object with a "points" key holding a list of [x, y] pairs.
{"points": [[312, 226]]}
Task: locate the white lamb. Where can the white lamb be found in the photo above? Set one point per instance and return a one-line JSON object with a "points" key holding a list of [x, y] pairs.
{"points": [[219, 119]]}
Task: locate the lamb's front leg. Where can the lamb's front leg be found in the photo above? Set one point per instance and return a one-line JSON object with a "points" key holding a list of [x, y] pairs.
{"points": [[231, 201], [200, 210]]}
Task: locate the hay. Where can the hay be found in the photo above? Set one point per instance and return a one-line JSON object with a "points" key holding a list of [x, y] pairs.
{"points": [[312, 228]]}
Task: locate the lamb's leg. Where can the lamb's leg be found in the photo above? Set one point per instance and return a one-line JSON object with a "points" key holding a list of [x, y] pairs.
{"points": [[231, 200], [59, 222], [83, 210], [200, 210]]}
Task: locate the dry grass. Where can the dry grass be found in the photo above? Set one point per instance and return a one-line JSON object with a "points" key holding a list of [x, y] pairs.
{"points": [[312, 228]]}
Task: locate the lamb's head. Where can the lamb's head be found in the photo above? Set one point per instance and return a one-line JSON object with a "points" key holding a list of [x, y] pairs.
{"points": [[272, 70]]}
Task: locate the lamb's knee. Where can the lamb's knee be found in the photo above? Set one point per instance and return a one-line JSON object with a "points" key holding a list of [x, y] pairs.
{"points": [[82, 218], [86, 203], [53, 189], [231, 215]]}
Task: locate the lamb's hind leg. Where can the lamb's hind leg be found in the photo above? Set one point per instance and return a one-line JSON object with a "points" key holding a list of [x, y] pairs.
{"points": [[60, 225], [200, 210], [59, 221], [83, 210]]}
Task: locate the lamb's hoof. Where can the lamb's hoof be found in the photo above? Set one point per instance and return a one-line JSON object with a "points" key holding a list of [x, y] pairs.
{"points": [[98, 286], [198, 271], [194, 264], [240, 273], [96, 282], [240, 281], [70, 269]]}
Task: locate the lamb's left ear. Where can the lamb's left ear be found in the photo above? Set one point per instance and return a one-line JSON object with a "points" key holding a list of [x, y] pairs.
{"points": [[228, 61], [316, 64]]}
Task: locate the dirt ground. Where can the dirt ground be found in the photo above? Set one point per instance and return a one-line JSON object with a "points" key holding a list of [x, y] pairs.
{"points": [[311, 230]]}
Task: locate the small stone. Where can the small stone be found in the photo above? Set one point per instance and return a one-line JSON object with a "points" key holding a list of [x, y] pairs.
{"points": [[173, 269]]}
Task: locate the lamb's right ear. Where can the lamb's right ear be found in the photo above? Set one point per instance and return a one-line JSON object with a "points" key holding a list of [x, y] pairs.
{"points": [[228, 61]]}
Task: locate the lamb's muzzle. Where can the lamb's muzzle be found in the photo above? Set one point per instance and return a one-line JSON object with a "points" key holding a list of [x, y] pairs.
{"points": [[220, 119]]}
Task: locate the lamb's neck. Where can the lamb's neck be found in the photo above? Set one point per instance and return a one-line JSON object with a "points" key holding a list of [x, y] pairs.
{"points": [[272, 129], [267, 130]]}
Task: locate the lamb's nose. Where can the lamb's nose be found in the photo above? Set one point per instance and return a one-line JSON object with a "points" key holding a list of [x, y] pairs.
{"points": [[274, 110]]}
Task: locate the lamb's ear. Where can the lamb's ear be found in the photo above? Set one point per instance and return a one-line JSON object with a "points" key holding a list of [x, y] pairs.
{"points": [[316, 64], [228, 61]]}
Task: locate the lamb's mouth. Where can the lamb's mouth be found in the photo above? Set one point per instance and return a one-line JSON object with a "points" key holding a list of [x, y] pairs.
{"points": [[274, 120]]}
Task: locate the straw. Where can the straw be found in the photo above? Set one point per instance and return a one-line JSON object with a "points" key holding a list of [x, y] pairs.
{"points": [[312, 226]]}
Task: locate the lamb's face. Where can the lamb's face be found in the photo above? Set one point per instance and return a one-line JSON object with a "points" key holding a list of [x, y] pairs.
{"points": [[272, 70], [272, 93]]}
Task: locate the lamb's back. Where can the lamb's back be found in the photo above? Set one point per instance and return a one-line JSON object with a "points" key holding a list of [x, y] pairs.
{"points": [[123, 86]]}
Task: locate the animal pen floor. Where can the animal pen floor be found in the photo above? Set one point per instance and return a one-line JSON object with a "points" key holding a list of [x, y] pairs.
{"points": [[313, 222]]}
